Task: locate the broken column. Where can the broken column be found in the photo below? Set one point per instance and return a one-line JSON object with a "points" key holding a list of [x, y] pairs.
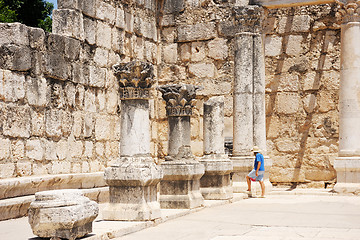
{"points": [[249, 128], [180, 186], [347, 164], [133, 178], [62, 214], [215, 183]]}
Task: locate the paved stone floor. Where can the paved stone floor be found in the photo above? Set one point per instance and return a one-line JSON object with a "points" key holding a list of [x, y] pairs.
{"points": [[275, 217]]}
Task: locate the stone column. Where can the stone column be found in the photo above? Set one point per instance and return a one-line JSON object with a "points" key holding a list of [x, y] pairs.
{"points": [[347, 164], [249, 126], [180, 187], [133, 178], [215, 184]]}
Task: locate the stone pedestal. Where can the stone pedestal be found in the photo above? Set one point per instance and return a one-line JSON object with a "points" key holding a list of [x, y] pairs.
{"points": [[249, 95], [180, 187], [215, 184], [62, 214], [347, 165], [133, 178]]}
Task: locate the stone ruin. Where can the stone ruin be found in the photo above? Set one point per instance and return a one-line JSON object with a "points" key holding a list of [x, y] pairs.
{"points": [[83, 100]]}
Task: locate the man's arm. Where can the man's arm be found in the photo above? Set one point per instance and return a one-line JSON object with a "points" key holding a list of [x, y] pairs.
{"points": [[258, 167]]}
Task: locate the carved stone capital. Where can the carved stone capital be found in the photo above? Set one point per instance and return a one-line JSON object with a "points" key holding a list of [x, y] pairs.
{"points": [[348, 11], [180, 98], [249, 18], [135, 79]]}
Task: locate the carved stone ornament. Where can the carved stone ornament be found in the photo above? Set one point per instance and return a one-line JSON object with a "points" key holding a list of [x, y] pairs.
{"points": [[135, 79], [180, 99], [249, 18], [348, 11]]}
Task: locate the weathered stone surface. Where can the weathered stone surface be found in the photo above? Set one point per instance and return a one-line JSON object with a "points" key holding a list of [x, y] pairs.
{"points": [[36, 91], [202, 70], [218, 49], [62, 214], [105, 11], [15, 57], [12, 86], [299, 23], [196, 32], [17, 121], [69, 23], [273, 45], [170, 53]]}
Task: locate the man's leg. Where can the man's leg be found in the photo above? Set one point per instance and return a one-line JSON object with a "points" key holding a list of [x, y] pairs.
{"points": [[248, 180], [262, 188]]}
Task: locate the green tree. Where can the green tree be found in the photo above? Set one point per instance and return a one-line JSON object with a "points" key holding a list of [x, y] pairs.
{"points": [[34, 13]]}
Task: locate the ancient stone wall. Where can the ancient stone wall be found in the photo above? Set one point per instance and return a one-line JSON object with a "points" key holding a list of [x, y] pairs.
{"points": [[302, 48], [59, 102]]}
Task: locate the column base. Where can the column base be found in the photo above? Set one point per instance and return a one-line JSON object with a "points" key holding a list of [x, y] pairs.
{"points": [[348, 175], [242, 166], [132, 186], [215, 183], [180, 187]]}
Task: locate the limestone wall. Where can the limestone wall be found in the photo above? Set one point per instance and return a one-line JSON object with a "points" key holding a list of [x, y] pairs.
{"points": [[59, 107], [302, 83]]}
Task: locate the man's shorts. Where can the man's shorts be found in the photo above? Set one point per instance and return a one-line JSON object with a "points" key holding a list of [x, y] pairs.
{"points": [[253, 176]]}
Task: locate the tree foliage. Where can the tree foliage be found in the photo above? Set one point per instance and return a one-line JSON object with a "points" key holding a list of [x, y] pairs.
{"points": [[34, 13]]}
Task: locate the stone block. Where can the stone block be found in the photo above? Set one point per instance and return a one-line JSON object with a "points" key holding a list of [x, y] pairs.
{"points": [[170, 53], [326, 101], [12, 86], [198, 51], [5, 149], [37, 123], [287, 145], [185, 52], [68, 23], [72, 49], [34, 149], [129, 22], [100, 100], [36, 91], [89, 146], [286, 175], [88, 7], [287, 103], [105, 12], [99, 149], [50, 150], [17, 121], [89, 100], [273, 45], [53, 123], [173, 6], [60, 167], [97, 77], [15, 57], [101, 57], [118, 37], [218, 49], [196, 32], [62, 214], [18, 149], [294, 45], [112, 99], [89, 125], [56, 66], [14, 33], [67, 123], [23, 169], [89, 30], [138, 48], [202, 70], [120, 18], [103, 35], [7, 170], [37, 38], [68, 4], [297, 23]]}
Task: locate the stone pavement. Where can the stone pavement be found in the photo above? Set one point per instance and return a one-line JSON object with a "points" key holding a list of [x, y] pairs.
{"points": [[300, 214]]}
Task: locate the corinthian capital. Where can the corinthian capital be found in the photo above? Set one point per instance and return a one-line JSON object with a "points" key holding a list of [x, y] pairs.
{"points": [[348, 11], [135, 79], [249, 18], [180, 98]]}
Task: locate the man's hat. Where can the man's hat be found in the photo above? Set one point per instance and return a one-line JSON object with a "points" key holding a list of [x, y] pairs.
{"points": [[256, 149]]}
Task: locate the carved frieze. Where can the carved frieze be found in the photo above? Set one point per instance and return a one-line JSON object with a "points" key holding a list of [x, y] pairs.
{"points": [[180, 98], [348, 11], [135, 79]]}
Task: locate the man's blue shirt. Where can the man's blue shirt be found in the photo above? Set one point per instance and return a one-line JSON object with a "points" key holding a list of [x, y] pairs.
{"points": [[259, 158]]}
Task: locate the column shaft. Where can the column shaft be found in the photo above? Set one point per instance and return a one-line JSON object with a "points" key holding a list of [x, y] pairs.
{"points": [[179, 134]]}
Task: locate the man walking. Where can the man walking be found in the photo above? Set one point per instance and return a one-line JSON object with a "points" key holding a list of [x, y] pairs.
{"points": [[257, 174]]}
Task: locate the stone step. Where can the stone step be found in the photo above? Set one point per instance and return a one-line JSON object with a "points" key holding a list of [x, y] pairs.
{"points": [[16, 207]]}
